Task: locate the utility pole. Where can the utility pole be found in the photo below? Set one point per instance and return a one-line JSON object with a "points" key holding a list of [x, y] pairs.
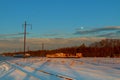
{"points": [[43, 50], [42, 46], [25, 25]]}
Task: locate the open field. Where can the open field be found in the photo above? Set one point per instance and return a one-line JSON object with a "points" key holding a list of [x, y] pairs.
{"points": [[39, 68]]}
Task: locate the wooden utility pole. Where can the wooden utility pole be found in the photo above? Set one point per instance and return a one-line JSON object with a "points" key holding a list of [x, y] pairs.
{"points": [[42, 46], [42, 50], [25, 25]]}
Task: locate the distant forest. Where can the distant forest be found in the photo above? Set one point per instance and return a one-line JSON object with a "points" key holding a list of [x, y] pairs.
{"points": [[104, 48]]}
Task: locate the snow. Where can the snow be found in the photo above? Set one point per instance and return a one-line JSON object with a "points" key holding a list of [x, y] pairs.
{"points": [[39, 68]]}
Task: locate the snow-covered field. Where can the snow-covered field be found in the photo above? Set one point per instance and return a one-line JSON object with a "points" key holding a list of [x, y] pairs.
{"points": [[39, 68]]}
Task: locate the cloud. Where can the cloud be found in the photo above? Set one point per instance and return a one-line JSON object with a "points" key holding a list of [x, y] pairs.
{"points": [[10, 35], [10, 45], [118, 32], [54, 35], [110, 35], [113, 28], [2, 35], [107, 32]]}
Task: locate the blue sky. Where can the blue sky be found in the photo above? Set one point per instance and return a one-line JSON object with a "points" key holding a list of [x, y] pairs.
{"points": [[60, 18], [57, 16]]}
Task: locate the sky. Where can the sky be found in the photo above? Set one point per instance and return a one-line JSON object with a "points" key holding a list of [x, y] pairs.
{"points": [[57, 23]]}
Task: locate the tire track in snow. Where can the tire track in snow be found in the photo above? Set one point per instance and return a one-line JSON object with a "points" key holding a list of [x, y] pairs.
{"points": [[5, 69], [27, 72], [45, 72]]}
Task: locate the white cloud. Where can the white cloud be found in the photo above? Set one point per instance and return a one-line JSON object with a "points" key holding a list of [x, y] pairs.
{"points": [[50, 43], [99, 32]]}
